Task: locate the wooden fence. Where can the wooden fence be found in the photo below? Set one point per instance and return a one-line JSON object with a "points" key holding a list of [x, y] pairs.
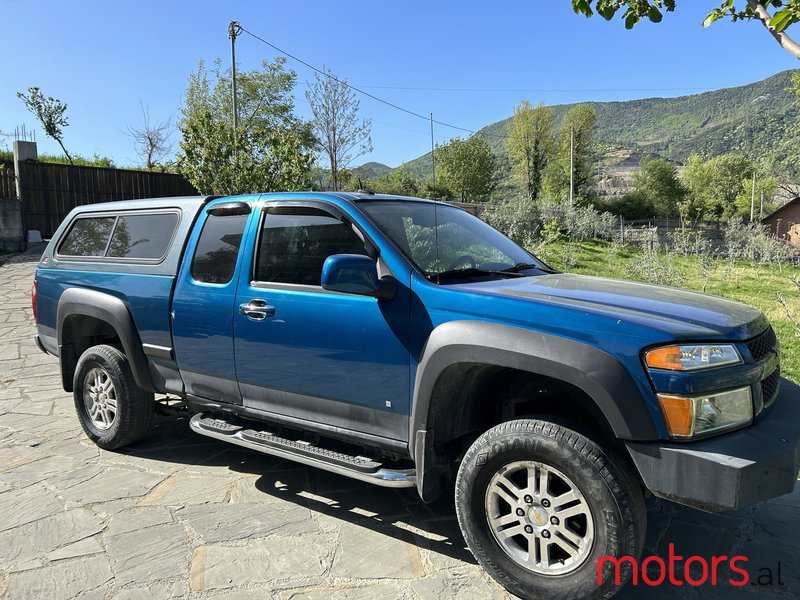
{"points": [[8, 184], [49, 191]]}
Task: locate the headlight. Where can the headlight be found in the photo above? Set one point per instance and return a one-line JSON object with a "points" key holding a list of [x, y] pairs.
{"points": [[688, 357], [687, 417]]}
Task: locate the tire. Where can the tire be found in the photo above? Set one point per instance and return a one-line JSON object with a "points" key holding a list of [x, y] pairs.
{"points": [[113, 411], [546, 470]]}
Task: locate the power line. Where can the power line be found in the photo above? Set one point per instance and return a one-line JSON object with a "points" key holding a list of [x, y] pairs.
{"points": [[533, 90], [527, 90], [359, 90]]}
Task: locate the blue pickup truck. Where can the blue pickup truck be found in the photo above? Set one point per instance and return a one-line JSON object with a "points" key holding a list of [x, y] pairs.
{"points": [[406, 343]]}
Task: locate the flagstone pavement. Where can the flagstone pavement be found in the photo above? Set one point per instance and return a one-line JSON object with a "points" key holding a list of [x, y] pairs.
{"points": [[181, 516]]}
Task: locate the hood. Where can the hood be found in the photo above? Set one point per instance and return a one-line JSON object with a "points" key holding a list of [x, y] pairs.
{"points": [[680, 314]]}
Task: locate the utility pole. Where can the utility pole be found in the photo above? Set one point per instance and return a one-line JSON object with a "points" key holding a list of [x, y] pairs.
{"points": [[571, 166], [753, 197], [234, 29], [433, 157], [761, 210]]}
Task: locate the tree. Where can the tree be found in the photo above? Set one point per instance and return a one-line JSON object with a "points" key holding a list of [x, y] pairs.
{"points": [[713, 186], [656, 191], [786, 13], [657, 182], [529, 145], [579, 120], [765, 189], [340, 133], [467, 167], [151, 141], [795, 87], [270, 150], [50, 112], [697, 178], [399, 181]]}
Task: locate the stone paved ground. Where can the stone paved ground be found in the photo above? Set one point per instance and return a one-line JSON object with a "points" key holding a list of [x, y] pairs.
{"points": [[180, 516]]}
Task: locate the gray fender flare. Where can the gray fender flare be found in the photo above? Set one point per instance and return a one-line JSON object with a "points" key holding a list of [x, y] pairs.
{"points": [[601, 376], [112, 310]]}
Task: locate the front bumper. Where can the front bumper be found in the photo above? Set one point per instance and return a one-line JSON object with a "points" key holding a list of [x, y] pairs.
{"points": [[733, 470]]}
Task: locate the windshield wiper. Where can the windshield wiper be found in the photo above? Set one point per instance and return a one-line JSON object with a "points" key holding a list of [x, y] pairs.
{"points": [[525, 266], [472, 272]]}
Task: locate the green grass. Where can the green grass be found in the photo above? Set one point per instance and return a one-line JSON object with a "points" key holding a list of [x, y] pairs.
{"points": [[755, 284]]}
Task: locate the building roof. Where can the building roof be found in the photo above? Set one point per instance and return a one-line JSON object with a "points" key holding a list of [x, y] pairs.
{"points": [[792, 202]]}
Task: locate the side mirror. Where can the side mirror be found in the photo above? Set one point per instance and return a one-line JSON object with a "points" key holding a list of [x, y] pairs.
{"points": [[356, 274]]}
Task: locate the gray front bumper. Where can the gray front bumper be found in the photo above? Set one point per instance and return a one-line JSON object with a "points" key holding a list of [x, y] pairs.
{"points": [[733, 470]]}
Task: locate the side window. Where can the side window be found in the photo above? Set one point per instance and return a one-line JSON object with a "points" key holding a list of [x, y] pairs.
{"points": [[295, 242], [87, 237], [142, 236], [217, 249]]}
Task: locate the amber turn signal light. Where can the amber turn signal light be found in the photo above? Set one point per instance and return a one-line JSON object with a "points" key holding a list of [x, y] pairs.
{"points": [[668, 357], [678, 413]]}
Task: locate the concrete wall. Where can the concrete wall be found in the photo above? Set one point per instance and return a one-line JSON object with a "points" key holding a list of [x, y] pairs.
{"points": [[11, 239]]}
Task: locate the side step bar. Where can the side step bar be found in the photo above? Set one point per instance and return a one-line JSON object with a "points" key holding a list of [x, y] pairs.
{"points": [[356, 467]]}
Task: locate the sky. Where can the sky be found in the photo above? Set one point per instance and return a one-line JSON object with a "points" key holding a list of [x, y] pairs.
{"points": [[107, 59]]}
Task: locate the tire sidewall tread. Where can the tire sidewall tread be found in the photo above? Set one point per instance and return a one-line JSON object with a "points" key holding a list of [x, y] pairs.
{"points": [[135, 406], [620, 518]]}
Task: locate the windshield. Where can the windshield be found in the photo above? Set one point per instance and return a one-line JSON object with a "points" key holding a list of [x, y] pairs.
{"points": [[466, 245]]}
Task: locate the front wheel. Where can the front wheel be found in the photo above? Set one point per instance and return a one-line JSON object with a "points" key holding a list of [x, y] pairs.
{"points": [[540, 504], [112, 409]]}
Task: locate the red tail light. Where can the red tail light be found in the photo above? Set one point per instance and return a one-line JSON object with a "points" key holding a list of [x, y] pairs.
{"points": [[34, 300]]}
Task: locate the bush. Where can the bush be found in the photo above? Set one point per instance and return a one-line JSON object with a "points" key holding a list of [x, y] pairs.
{"points": [[517, 218], [525, 222], [579, 222], [752, 241], [654, 267], [632, 206], [686, 241]]}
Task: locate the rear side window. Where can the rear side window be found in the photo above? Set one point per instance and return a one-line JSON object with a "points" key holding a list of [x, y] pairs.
{"points": [[142, 236], [132, 236], [295, 241], [217, 249], [88, 237]]}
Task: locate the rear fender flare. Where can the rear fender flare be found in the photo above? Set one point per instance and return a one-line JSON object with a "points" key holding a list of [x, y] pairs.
{"points": [[112, 310]]}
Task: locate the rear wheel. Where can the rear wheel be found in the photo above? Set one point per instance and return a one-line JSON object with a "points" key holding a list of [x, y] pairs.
{"points": [[112, 409], [539, 504]]}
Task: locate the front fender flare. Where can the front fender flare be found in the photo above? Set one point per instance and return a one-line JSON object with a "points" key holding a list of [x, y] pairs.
{"points": [[601, 376]]}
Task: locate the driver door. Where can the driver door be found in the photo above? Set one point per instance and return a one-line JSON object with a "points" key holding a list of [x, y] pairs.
{"points": [[307, 353]]}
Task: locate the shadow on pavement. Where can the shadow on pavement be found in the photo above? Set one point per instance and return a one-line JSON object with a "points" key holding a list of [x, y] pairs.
{"points": [[396, 513], [766, 534], [31, 255]]}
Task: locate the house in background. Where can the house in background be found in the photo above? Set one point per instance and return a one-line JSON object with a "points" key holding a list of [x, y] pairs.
{"points": [[784, 223]]}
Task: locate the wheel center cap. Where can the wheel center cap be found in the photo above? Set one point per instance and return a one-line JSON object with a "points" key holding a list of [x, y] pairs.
{"points": [[538, 516]]}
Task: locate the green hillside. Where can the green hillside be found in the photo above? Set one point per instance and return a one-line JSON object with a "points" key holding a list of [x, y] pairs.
{"points": [[370, 170], [754, 120]]}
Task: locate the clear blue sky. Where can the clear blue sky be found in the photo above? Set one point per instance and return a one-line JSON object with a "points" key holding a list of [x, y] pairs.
{"points": [[103, 58]]}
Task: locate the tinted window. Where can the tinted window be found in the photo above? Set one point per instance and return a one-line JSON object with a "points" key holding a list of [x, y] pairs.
{"points": [[215, 256], [142, 236], [88, 237], [295, 242]]}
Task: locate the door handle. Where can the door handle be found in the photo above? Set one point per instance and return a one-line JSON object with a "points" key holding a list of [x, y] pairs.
{"points": [[257, 309]]}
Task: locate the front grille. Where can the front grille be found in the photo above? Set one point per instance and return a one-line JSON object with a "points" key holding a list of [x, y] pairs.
{"points": [[769, 387], [763, 344]]}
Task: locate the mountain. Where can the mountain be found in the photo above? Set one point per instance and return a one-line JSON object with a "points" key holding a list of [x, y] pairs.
{"points": [[755, 120], [370, 170]]}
